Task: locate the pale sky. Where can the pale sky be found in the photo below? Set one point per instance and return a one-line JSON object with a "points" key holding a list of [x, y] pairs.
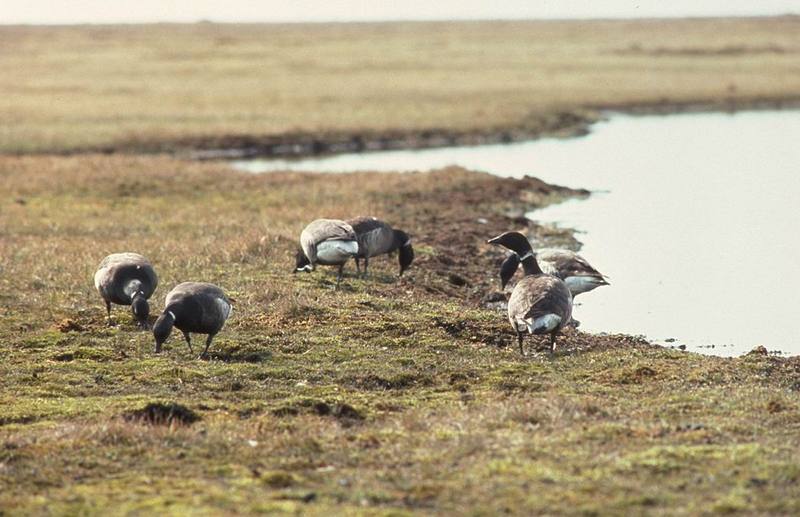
{"points": [[142, 11]]}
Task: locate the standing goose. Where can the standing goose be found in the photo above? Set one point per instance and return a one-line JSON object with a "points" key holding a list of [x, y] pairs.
{"points": [[193, 307], [126, 279], [329, 242], [376, 237], [540, 303], [567, 265]]}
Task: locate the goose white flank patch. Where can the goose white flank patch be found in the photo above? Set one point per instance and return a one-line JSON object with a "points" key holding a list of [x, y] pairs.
{"points": [[329, 242], [543, 324], [540, 303], [126, 279], [193, 307], [336, 251], [376, 237]]}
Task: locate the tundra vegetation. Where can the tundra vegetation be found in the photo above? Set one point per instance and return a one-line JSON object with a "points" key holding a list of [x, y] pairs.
{"points": [[388, 396]]}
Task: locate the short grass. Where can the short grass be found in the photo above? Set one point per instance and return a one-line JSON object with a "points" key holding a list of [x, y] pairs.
{"points": [[150, 87], [386, 397]]}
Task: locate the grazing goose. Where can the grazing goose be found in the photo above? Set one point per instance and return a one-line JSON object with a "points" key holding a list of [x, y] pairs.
{"points": [[126, 279], [376, 238], [567, 265], [540, 303], [329, 242], [193, 307]]}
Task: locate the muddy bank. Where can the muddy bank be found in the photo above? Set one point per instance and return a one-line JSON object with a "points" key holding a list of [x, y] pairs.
{"points": [[562, 124], [452, 220], [568, 123]]}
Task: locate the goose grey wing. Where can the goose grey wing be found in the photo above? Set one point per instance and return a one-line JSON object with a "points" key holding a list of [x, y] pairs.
{"points": [[327, 229], [536, 296], [215, 304], [567, 263], [375, 237], [116, 270], [322, 230]]}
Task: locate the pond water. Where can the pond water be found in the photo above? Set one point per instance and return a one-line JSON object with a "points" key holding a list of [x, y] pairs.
{"points": [[694, 218]]}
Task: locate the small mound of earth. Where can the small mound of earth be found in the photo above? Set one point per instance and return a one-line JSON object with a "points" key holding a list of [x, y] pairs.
{"points": [[157, 413], [69, 325]]}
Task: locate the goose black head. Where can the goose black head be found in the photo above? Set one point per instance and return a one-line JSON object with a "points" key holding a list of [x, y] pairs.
{"points": [[523, 252], [301, 262], [163, 327], [514, 241], [405, 250], [140, 309], [508, 268]]}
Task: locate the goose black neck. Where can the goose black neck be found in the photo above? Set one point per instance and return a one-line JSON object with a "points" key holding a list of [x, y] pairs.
{"points": [[399, 239], [530, 266], [174, 310]]}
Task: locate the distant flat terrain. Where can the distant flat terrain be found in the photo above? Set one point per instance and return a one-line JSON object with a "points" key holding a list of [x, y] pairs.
{"points": [[151, 87]]}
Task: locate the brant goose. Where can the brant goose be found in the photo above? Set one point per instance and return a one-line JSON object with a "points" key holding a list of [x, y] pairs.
{"points": [[567, 265], [540, 303], [126, 279], [329, 242], [375, 237], [193, 307]]}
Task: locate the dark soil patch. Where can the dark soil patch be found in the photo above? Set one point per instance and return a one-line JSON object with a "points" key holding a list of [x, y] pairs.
{"points": [[338, 410], [157, 413], [400, 381], [637, 375], [17, 420]]}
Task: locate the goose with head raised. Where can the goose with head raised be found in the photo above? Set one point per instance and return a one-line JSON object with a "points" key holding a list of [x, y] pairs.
{"points": [[540, 303]]}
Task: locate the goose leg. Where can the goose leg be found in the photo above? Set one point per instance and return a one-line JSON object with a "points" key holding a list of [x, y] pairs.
{"points": [[520, 337], [366, 265], [188, 341], [208, 344], [552, 343], [358, 265], [339, 275], [108, 310]]}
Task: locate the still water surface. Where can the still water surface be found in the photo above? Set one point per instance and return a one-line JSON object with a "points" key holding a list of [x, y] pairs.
{"points": [[694, 218]]}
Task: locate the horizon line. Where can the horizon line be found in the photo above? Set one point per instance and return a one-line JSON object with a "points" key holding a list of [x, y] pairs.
{"points": [[201, 21]]}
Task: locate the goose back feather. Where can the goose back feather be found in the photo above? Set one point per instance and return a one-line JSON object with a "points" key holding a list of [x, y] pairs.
{"points": [[375, 237], [198, 307], [339, 236], [121, 275]]}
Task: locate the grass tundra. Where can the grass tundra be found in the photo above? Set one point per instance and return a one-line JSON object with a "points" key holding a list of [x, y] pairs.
{"points": [[386, 396]]}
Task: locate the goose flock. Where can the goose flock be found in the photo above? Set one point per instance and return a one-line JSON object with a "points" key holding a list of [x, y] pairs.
{"points": [[539, 304]]}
